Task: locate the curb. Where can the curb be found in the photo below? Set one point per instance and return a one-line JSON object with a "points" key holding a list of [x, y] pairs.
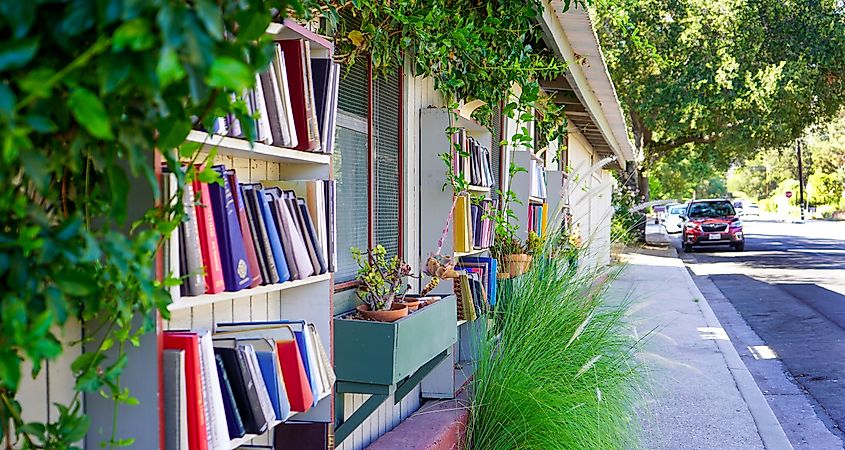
{"points": [[768, 426]]}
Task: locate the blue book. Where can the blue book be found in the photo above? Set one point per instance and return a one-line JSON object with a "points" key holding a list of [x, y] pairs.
{"points": [[236, 273], [267, 364], [234, 423], [273, 236], [492, 267]]}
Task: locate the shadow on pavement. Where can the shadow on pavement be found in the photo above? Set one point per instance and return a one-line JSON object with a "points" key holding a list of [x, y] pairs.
{"points": [[780, 252]]}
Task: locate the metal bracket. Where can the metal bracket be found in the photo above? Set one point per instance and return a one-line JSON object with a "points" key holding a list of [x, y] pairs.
{"points": [[378, 394]]}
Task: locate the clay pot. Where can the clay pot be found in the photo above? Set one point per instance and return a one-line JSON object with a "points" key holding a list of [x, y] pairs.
{"points": [[517, 264], [396, 312]]}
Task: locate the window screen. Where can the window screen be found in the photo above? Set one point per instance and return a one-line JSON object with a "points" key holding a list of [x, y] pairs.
{"points": [[386, 163], [350, 163]]}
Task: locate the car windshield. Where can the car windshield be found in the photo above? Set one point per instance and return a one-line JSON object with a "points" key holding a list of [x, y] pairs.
{"points": [[711, 209], [677, 210]]}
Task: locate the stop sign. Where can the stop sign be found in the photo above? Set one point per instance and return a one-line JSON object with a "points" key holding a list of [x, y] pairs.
{"points": [[788, 194]]}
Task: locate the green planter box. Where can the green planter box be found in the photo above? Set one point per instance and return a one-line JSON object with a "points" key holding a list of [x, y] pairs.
{"points": [[385, 353]]}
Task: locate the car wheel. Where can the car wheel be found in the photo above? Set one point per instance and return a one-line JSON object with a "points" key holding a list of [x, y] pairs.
{"points": [[739, 247], [687, 248]]}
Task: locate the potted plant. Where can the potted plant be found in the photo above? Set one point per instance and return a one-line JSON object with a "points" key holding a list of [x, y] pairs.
{"points": [[381, 280]]}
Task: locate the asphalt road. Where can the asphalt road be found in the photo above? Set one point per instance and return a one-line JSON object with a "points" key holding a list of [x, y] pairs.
{"points": [[782, 302]]}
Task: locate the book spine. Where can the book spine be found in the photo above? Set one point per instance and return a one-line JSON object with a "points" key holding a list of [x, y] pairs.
{"points": [[234, 423], [260, 421], [293, 51], [273, 237], [263, 239], [195, 281], [214, 282], [246, 232], [242, 276]]}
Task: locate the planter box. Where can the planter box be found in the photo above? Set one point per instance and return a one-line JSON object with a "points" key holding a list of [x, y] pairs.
{"points": [[385, 353]]}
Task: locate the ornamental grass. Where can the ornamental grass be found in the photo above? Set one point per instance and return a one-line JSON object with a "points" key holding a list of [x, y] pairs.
{"points": [[556, 368]]}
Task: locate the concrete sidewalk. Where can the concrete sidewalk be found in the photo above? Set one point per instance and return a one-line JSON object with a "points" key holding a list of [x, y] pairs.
{"points": [[699, 394]]}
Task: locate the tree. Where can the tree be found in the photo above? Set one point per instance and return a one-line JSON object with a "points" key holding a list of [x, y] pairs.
{"points": [[727, 78], [825, 189]]}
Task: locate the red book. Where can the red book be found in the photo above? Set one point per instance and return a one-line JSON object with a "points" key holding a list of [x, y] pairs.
{"points": [[251, 256], [294, 51], [214, 282], [189, 343], [297, 385]]}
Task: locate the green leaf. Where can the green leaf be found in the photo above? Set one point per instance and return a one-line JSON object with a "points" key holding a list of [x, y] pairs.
{"points": [[41, 124], [172, 132], [19, 15], [10, 369], [119, 186], [75, 282], [211, 17], [37, 167], [169, 68], [230, 73], [253, 25], [16, 54], [7, 102], [134, 34], [36, 81], [90, 113]]}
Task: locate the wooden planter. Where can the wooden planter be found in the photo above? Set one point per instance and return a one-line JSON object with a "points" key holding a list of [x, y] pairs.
{"points": [[517, 264], [384, 353]]}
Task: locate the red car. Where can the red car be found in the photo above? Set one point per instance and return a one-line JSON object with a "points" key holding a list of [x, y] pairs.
{"points": [[712, 222]]}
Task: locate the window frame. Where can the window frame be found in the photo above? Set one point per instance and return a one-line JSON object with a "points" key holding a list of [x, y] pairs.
{"points": [[371, 166]]}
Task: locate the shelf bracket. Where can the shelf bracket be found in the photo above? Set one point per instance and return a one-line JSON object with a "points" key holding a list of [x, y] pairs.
{"points": [[378, 395]]}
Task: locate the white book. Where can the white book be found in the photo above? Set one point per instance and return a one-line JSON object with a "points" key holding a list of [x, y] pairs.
{"points": [[311, 353], [280, 120], [284, 89], [260, 386], [218, 436], [171, 245], [263, 125]]}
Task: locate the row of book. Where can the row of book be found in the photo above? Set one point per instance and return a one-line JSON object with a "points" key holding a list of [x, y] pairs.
{"points": [[242, 235], [243, 379], [475, 287], [474, 227], [538, 218], [294, 102], [471, 160], [538, 179]]}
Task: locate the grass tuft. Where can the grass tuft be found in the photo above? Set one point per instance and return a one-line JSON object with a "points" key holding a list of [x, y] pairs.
{"points": [[556, 369]]}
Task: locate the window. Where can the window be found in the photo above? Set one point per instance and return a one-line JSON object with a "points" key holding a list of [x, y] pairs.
{"points": [[367, 164]]}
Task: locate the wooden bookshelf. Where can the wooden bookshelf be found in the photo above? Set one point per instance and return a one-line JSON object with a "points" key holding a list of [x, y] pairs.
{"points": [[209, 299], [473, 252], [479, 189]]}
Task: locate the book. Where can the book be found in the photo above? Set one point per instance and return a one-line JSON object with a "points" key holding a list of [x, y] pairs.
{"points": [[243, 387], [311, 240], [320, 79], [273, 104], [462, 232], [268, 363], [284, 89], [236, 274], [189, 344], [273, 236], [214, 282], [260, 386], [296, 252], [311, 108], [191, 255], [260, 234], [171, 248], [490, 266], [331, 231], [175, 400], [247, 234], [294, 53], [262, 122], [219, 432], [233, 416]]}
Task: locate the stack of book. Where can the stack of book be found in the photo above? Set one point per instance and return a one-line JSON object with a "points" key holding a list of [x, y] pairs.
{"points": [[242, 235], [538, 179], [475, 288], [473, 224], [243, 380], [294, 103], [538, 218], [471, 160]]}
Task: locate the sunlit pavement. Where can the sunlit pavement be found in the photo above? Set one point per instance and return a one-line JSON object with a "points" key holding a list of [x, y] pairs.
{"points": [[782, 302]]}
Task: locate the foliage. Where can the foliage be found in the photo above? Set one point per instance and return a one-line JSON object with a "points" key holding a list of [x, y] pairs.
{"points": [[626, 225], [825, 189], [724, 78], [534, 244], [557, 369], [380, 279], [687, 172], [89, 89]]}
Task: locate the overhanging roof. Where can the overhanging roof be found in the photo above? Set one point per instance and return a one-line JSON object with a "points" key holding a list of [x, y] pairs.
{"points": [[586, 89]]}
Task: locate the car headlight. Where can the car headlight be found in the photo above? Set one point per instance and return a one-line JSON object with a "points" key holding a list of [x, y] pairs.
{"points": [[736, 224], [691, 225]]}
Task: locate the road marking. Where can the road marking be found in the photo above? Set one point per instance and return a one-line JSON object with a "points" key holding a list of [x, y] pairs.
{"points": [[762, 352], [713, 333]]}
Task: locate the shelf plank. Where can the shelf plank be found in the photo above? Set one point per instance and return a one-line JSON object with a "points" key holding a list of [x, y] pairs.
{"points": [[476, 251], [482, 189], [537, 200], [242, 148], [207, 299]]}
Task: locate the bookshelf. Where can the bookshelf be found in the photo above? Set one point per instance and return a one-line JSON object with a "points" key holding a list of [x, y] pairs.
{"points": [[522, 184], [308, 299]]}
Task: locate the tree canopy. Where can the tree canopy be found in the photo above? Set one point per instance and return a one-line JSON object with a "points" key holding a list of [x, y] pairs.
{"points": [[723, 78]]}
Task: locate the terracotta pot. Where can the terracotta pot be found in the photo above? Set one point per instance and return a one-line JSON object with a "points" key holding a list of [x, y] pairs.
{"points": [[517, 264], [396, 312]]}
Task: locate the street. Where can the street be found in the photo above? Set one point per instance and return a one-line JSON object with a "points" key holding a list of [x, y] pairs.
{"points": [[782, 302]]}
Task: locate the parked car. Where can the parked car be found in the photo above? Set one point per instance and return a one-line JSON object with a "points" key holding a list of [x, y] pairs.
{"points": [[712, 222], [674, 223], [751, 210]]}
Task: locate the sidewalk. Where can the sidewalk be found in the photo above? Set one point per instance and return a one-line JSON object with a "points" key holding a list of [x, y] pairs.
{"points": [[699, 394]]}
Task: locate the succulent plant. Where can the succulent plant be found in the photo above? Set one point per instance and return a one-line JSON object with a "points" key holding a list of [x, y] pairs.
{"points": [[381, 279]]}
